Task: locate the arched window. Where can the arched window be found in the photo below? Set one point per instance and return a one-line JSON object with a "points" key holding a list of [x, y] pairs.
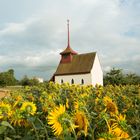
{"points": [[82, 81], [72, 81], [62, 81]]}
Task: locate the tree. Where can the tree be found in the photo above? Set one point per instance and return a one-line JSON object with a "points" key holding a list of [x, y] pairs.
{"points": [[132, 79], [25, 81], [10, 79], [2, 80], [30, 82], [7, 78], [114, 77]]}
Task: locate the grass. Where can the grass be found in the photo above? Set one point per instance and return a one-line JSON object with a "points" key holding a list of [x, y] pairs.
{"points": [[5, 91]]}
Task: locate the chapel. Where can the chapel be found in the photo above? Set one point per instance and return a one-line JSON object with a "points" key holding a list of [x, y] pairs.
{"points": [[74, 68]]}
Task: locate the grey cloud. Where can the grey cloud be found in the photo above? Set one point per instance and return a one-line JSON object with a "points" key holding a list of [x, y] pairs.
{"points": [[110, 27]]}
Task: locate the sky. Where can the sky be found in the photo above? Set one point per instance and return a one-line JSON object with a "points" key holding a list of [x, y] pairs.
{"points": [[34, 32]]}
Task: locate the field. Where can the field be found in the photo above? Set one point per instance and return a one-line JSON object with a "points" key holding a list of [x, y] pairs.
{"points": [[64, 112], [4, 93]]}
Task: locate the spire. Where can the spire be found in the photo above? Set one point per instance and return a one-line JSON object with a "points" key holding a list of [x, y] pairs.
{"points": [[68, 49], [68, 33]]}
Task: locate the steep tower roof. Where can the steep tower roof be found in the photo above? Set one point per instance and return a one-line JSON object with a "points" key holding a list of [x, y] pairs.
{"points": [[68, 50]]}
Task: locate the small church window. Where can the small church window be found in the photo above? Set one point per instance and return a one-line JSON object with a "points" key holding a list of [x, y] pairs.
{"points": [[72, 81], [62, 81], [82, 81]]}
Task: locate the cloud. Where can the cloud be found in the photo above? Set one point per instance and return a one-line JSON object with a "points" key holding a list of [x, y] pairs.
{"points": [[110, 27]]}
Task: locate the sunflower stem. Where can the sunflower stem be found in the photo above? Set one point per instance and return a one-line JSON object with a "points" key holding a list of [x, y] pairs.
{"points": [[75, 136], [46, 132], [37, 136], [109, 129]]}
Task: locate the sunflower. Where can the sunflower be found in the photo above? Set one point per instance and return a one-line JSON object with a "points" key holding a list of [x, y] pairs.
{"points": [[81, 121], [121, 117], [118, 132], [1, 115], [18, 99], [107, 99], [112, 108], [45, 107], [124, 135], [31, 98], [76, 105], [101, 139], [110, 105], [84, 95], [79, 104], [55, 118], [5, 110], [17, 119], [67, 103], [28, 107]]}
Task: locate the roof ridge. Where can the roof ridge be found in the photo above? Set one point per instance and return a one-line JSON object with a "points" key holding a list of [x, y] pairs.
{"points": [[86, 53]]}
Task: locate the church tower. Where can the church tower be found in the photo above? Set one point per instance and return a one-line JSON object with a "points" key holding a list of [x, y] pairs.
{"points": [[81, 69], [67, 54]]}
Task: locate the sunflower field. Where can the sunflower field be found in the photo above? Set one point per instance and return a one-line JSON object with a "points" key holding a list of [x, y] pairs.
{"points": [[71, 112]]}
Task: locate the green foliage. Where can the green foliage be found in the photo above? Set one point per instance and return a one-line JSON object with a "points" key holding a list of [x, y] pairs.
{"points": [[100, 106], [7, 78], [116, 77], [29, 82], [131, 79]]}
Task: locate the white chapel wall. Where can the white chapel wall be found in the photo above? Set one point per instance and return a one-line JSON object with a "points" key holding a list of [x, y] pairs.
{"points": [[97, 73], [77, 78]]}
